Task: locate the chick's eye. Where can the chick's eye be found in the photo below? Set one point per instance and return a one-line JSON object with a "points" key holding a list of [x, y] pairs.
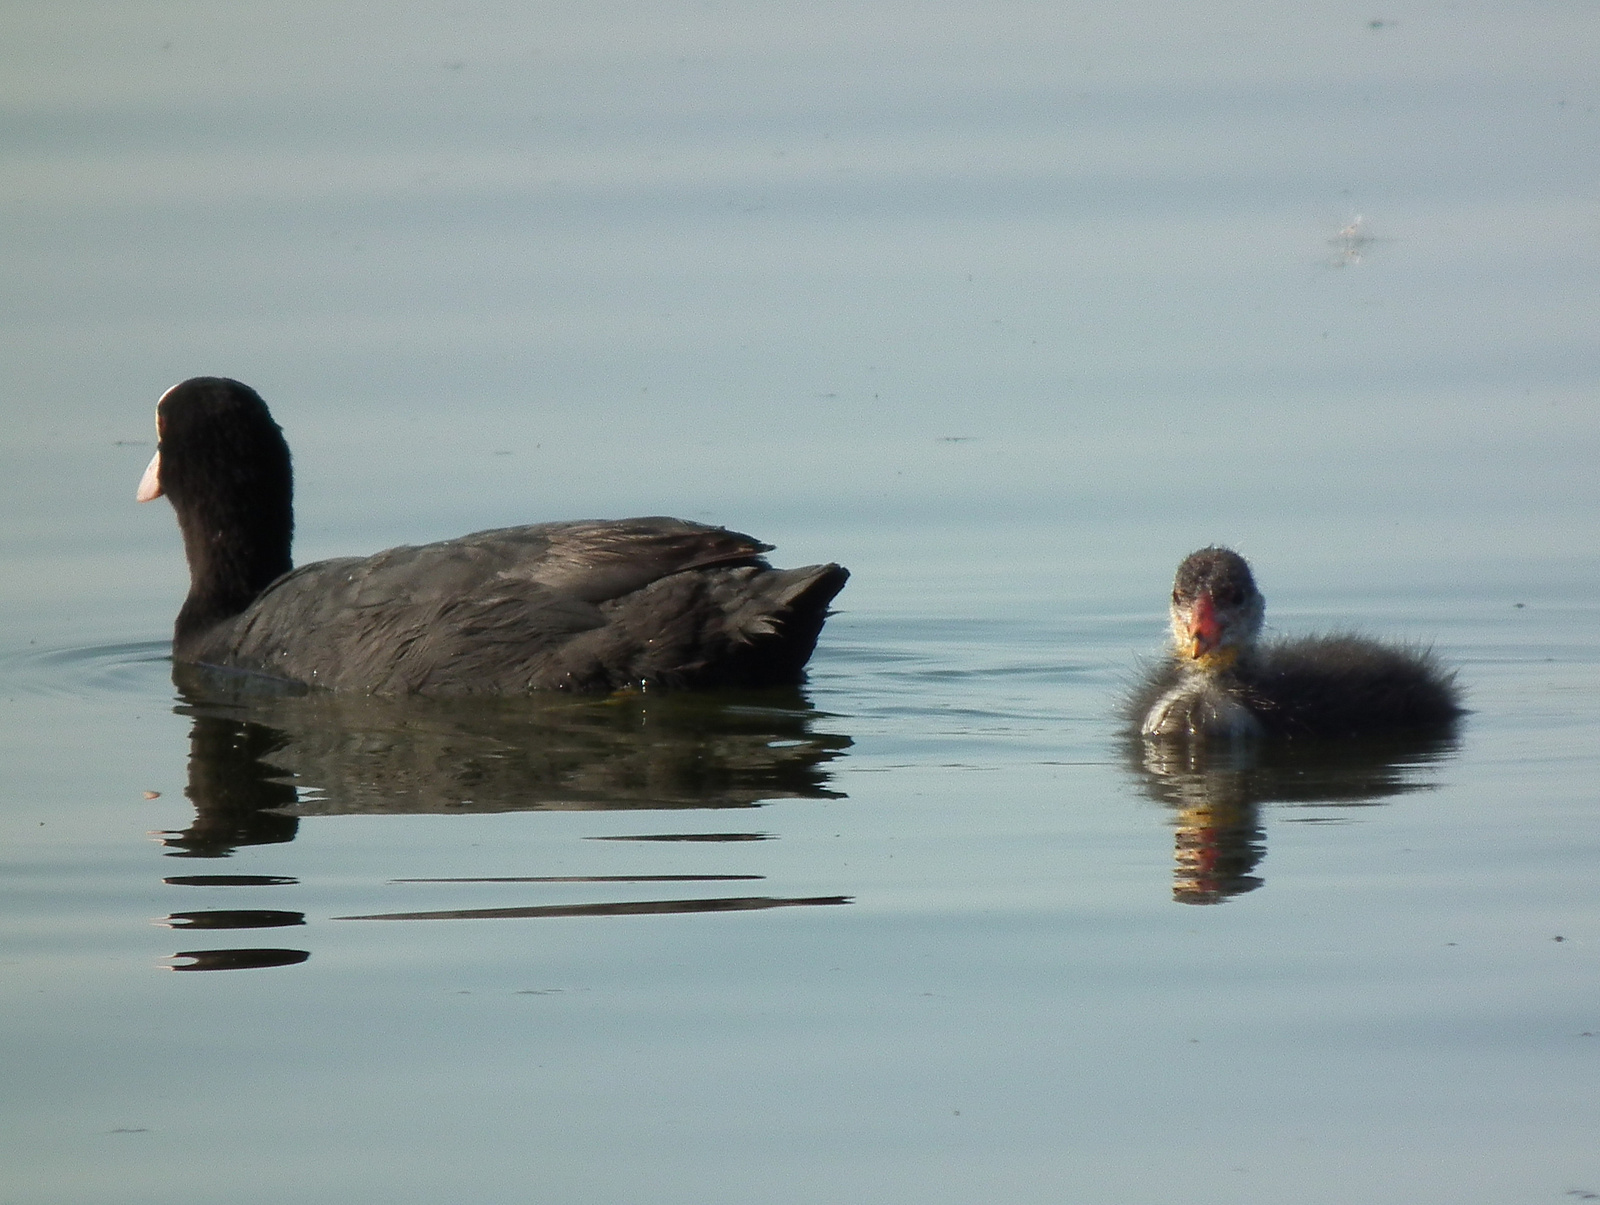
{"points": [[1177, 596]]}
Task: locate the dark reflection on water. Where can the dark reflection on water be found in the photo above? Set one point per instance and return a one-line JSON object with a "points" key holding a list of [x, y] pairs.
{"points": [[256, 749], [748, 903], [595, 878], [263, 756], [238, 795], [1217, 790], [686, 837], [238, 960], [235, 918]]}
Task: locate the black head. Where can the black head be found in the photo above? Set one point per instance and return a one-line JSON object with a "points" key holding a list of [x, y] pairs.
{"points": [[1216, 609], [1220, 572], [224, 465]]}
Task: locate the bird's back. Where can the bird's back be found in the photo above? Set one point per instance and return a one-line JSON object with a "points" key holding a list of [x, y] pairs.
{"points": [[589, 605], [1341, 683]]}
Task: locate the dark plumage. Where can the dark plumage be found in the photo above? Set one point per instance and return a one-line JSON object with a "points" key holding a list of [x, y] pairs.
{"points": [[1218, 681], [585, 606]]}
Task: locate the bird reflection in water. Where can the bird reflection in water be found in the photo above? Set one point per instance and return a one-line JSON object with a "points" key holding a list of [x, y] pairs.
{"points": [[1217, 789], [262, 757]]}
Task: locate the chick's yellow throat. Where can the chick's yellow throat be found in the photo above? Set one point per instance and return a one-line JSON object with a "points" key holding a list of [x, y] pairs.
{"points": [[1215, 661]]}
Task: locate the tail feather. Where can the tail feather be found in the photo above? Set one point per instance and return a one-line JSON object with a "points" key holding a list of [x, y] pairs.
{"points": [[776, 619]]}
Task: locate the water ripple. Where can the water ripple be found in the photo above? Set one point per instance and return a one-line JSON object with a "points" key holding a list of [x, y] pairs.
{"points": [[87, 671]]}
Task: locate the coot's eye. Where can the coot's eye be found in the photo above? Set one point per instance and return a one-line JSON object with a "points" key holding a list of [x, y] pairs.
{"points": [[1177, 596]]}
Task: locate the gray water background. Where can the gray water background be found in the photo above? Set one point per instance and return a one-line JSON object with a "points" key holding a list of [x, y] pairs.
{"points": [[1006, 307]]}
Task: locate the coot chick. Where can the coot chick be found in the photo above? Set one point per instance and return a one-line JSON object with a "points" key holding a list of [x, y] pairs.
{"points": [[1218, 681], [587, 606]]}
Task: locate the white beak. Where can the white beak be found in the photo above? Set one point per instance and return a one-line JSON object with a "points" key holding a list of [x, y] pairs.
{"points": [[150, 483]]}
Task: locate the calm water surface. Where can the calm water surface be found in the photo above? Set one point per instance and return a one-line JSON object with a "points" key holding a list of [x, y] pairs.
{"points": [[1005, 308]]}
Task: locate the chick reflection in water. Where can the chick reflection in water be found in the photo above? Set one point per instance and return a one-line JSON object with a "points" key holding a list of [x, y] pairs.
{"points": [[1217, 791]]}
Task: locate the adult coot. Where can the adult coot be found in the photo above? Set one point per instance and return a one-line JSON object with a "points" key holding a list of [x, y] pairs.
{"points": [[581, 606], [1219, 682]]}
